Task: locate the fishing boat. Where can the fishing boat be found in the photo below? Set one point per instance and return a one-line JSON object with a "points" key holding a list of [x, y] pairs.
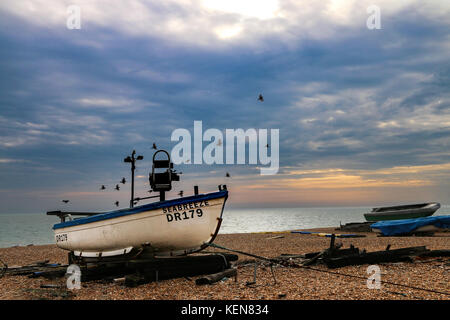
{"points": [[408, 226], [170, 227], [166, 228], [402, 212]]}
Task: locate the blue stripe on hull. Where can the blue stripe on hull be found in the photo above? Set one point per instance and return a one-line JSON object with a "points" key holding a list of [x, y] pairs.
{"points": [[146, 207]]}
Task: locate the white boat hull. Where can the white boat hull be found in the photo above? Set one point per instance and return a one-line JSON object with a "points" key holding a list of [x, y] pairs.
{"points": [[171, 227]]}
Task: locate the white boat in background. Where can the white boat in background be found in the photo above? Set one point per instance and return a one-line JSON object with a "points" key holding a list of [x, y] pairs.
{"points": [[171, 227]]}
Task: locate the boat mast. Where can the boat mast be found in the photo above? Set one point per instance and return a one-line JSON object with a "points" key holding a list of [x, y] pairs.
{"points": [[131, 159]]}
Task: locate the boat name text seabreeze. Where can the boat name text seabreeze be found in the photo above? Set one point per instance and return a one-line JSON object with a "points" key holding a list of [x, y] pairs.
{"points": [[185, 211], [186, 206], [61, 237]]}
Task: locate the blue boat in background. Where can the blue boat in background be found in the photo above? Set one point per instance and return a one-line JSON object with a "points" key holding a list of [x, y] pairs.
{"points": [[408, 226]]}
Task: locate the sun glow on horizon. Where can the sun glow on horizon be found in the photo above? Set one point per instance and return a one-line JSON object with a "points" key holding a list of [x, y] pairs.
{"points": [[334, 186]]}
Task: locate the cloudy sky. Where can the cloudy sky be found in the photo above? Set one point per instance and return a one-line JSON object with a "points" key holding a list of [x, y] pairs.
{"points": [[363, 113]]}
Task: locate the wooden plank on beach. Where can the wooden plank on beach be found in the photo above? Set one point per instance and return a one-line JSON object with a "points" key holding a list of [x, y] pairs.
{"points": [[169, 268], [336, 253], [30, 269], [275, 237], [213, 278], [152, 269], [367, 259], [397, 255], [435, 253], [148, 269], [329, 235], [314, 259]]}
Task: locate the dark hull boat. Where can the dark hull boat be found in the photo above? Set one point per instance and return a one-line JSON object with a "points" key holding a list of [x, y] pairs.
{"points": [[411, 211]]}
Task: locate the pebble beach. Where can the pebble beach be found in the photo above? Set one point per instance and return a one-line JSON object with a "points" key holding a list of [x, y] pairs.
{"points": [[285, 283]]}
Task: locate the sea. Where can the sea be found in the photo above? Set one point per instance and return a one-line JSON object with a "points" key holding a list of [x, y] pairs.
{"points": [[21, 229]]}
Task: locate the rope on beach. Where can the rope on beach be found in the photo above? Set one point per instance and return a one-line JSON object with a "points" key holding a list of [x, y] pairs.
{"points": [[296, 265]]}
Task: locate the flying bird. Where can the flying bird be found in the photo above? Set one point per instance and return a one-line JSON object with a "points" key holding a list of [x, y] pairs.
{"points": [[154, 146], [123, 180], [260, 98], [116, 203], [65, 201], [102, 187], [117, 187], [180, 193]]}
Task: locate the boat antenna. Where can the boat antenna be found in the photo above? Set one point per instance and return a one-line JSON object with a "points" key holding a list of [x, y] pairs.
{"points": [[132, 159]]}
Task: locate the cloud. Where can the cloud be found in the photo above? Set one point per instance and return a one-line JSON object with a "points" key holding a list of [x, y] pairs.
{"points": [[57, 127], [250, 22], [344, 97], [114, 105], [10, 160]]}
